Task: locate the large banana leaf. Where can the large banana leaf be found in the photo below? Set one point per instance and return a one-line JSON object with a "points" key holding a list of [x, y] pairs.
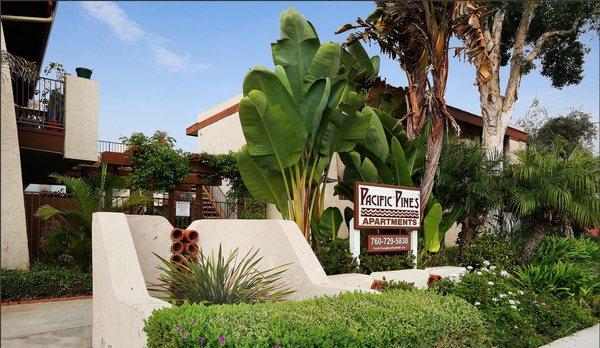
{"points": [[296, 48], [272, 123], [263, 184], [344, 131], [375, 141], [400, 169], [325, 63], [330, 222], [312, 107], [431, 228]]}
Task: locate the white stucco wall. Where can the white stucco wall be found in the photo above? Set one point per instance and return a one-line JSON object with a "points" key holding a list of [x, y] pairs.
{"points": [[15, 254], [82, 105]]}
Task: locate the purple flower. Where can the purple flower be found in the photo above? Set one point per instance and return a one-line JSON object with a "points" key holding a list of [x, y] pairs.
{"points": [[277, 346], [177, 328], [184, 334], [202, 340], [194, 322], [222, 339]]}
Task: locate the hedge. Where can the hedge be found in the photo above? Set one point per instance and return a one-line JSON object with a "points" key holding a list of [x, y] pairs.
{"points": [[397, 318], [43, 283]]}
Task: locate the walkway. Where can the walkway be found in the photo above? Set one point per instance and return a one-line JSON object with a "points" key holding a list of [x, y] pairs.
{"points": [[48, 324], [587, 338]]}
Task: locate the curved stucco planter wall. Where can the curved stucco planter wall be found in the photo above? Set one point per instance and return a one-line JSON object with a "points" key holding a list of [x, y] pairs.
{"points": [[123, 263]]}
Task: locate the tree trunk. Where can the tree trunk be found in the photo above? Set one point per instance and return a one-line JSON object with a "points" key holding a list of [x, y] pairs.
{"points": [[539, 231], [434, 149], [464, 237]]}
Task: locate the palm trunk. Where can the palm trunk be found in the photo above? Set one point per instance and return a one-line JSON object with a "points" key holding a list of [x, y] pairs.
{"points": [[539, 231], [464, 237], [434, 149]]}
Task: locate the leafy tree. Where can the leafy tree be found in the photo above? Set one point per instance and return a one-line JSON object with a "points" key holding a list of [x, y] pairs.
{"points": [[417, 33], [576, 128], [296, 117], [468, 180], [521, 34], [156, 165], [549, 190], [70, 234]]}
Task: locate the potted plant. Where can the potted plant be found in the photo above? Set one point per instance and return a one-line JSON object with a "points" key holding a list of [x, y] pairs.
{"points": [[83, 72]]}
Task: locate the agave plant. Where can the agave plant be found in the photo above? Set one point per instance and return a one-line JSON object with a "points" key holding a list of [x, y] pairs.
{"points": [[297, 116], [217, 279], [550, 189], [69, 234]]}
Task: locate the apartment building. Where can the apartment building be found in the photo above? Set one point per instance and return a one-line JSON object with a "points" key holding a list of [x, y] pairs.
{"points": [[48, 125]]}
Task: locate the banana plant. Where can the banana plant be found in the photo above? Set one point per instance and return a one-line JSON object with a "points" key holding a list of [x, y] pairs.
{"points": [[387, 156], [296, 116]]}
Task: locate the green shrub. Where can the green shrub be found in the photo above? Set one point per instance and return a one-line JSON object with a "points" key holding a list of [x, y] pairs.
{"points": [[385, 262], [399, 318], [557, 279], [554, 249], [448, 256], [393, 285], [516, 316], [335, 256], [496, 249], [216, 279], [43, 283]]}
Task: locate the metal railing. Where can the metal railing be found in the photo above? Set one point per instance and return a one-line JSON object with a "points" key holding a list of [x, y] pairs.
{"points": [[111, 146], [40, 104]]}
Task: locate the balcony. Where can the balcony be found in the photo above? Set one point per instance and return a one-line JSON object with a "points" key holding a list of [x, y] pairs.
{"points": [[57, 124]]}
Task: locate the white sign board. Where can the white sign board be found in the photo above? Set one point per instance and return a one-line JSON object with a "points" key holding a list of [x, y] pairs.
{"points": [[182, 208], [378, 206]]}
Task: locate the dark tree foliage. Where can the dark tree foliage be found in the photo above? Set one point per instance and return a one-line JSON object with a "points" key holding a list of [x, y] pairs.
{"points": [[562, 56], [576, 128], [156, 165]]}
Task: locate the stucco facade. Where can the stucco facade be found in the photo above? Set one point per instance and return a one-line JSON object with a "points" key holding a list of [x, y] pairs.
{"points": [[82, 100], [15, 254]]}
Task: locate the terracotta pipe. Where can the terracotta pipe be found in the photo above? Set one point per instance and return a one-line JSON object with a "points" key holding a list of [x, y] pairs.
{"points": [[191, 248], [193, 258], [177, 259], [176, 234], [193, 236], [177, 248]]}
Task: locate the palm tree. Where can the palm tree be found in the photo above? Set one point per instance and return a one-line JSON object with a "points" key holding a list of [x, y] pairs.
{"points": [[70, 231], [551, 188], [417, 34], [469, 180]]}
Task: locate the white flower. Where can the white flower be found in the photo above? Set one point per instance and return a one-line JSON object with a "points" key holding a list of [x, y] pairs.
{"points": [[510, 293], [511, 302], [477, 303], [518, 302], [520, 292], [494, 299], [502, 295], [513, 307], [486, 263], [492, 267], [479, 273], [504, 273], [469, 267], [490, 283]]}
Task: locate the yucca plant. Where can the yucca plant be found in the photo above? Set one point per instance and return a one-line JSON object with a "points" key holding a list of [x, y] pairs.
{"points": [[549, 188], [69, 233], [557, 279], [553, 249], [217, 279]]}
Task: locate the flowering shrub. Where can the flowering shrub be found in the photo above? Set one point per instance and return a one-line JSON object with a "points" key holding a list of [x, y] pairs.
{"points": [[391, 319], [496, 249], [515, 315]]}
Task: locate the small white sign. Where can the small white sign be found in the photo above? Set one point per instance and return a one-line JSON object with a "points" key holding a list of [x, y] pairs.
{"points": [[182, 208], [379, 206]]}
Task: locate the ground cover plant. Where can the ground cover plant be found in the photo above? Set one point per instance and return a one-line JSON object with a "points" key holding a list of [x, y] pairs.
{"points": [[392, 319], [44, 282]]}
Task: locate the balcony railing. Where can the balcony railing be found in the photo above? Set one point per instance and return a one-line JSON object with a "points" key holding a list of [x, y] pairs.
{"points": [[40, 104], [111, 146]]}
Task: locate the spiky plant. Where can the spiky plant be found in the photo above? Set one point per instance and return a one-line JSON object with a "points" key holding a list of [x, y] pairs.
{"points": [[468, 180], [217, 279], [551, 188], [69, 233]]}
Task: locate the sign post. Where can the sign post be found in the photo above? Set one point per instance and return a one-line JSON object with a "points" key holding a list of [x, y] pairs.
{"points": [[381, 207]]}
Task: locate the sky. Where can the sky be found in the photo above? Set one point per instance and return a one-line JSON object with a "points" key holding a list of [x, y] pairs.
{"points": [[159, 64]]}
